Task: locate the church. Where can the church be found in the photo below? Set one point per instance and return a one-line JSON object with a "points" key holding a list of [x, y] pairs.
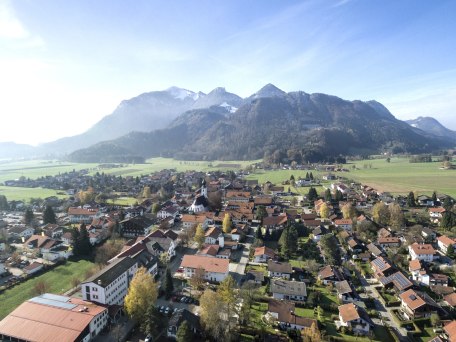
{"points": [[201, 203]]}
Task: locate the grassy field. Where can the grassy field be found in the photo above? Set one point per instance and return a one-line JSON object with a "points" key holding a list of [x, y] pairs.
{"points": [[58, 279], [400, 176], [17, 193]]}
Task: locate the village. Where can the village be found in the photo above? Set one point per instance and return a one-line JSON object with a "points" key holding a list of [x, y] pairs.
{"points": [[345, 262]]}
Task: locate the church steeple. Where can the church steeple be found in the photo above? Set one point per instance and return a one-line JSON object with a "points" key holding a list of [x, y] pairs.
{"points": [[203, 188]]}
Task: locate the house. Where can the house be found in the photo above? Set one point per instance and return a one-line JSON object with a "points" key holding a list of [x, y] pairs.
{"points": [[278, 269], [418, 273], [36, 242], [318, 232], [82, 215], [275, 222], [435, 214], [443, 242], [57, 252], [355, 318], [67, 238], [284, 313], [428, 234], [397, 280], [450, 331], [255, 277], [193, 220], [450, 299], [381, 267], [354, 245], [109, 286], [50, 317], [180, 316], [344, 292], [425, 201], [169, 211], [135, 226], [21, 232], [330, 274], [212, 235], [263, 254], [289, 290], [140, 253], [345, 224], [374, 250], [438, 279], [423, 252], [168, 241], [415, 305], [52, 230], [33, 267], [214, 269], [390, 241], [383, 233]]}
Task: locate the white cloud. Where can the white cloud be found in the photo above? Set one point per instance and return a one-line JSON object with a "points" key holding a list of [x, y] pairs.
{"points": [[10, 25]]}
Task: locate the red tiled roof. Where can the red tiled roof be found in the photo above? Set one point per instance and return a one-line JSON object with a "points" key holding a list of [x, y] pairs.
{"points": [[411, 299], [215, 265]]}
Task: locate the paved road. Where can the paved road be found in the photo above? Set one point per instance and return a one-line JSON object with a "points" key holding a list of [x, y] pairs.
{"points": [[237, 270], [385, 312]]}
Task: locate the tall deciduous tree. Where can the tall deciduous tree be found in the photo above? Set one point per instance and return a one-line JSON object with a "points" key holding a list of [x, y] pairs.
{"points": [[211, 315], [49, 215], [142, 293], [324, 210], [396, 215], [380, 213], [197, 279], [348, 211], [227, 224], [199, 236], [146, 192], [184, 333]]}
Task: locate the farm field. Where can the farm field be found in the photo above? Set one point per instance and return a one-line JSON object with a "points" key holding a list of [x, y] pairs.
{"points": [[24, 194], [58, 279], [401, 176]]}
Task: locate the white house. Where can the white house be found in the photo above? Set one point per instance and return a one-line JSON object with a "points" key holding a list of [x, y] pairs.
{"points": [[109, 286], [284, 313], [169, 211], [82, 215], [21, 231], [354, 317], [289, 290], [422, 252], [212, 235], [215, 269], [278, 269], [59, 252], [263, 254], [418, 273], [443, 242], [345, 224]]}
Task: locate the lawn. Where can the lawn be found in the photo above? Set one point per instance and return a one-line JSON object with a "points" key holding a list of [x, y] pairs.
{"points": [[59, 280], [25, 194]]}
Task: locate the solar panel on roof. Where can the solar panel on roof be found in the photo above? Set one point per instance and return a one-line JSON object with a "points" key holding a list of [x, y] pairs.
{"points": [[55, 297], [55, 303]]}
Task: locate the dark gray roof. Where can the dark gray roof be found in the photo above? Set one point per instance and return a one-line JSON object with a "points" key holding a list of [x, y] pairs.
{"points": [[343, 287], [287, 287], [111, 272], [276, 266]]}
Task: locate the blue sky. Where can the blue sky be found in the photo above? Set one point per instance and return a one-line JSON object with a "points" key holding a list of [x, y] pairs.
{"points": [[66, 64]]}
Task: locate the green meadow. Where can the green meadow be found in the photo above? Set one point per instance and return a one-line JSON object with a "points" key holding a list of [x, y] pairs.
{"points": [[59, 280]]}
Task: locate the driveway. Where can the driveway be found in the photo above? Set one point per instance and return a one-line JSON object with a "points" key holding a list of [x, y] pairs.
{"points": [[386, 315], [237, 270]]}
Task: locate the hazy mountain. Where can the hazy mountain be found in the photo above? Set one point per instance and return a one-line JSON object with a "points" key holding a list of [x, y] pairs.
{"points": [[12, 150], [432, 126], [274, 123], [144, 113]]}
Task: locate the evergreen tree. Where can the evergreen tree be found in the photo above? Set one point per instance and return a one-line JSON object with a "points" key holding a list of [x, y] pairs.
{"points": [[312, 195], [307, 176], [259, 233], [292, 178], [311, 176], [267, 234], [28, 216], [261, 213], [49, 215], [434, 197], [81, 241], [450, 252], [184, 333], [339, 195], [328, 196], [153, 322], [448, 204], [288, 241], [447, 220], [3, 203], [168, 284], [411, 200], [75, 237]]}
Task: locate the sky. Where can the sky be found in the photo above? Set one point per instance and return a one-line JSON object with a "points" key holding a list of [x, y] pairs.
{"points": [[66, 64]]}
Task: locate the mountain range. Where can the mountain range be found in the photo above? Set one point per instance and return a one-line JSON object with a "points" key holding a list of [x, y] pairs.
{"points": [[220, 125]]}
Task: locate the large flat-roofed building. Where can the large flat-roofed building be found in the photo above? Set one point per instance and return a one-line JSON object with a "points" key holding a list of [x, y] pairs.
{"points": [[52, 317]]}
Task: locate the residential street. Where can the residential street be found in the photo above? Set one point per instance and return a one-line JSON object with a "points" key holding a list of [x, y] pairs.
{"points": [[385, 312]]}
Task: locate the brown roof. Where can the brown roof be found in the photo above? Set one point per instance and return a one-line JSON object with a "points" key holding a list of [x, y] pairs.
{"points": [[262, 200], [422, 248], [213, 232], [450, 299], [32, 266], [326, 272], [193, 218], [265, 250], [343, 221], [437, 210], [274, 220], [446, 241], [411, 299], [210, 250], [348, 312], [450, 329], [383, 232], [81, 211], [34, 321], [414, 265], [38, 240], [286, 313], [208, 264]]}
